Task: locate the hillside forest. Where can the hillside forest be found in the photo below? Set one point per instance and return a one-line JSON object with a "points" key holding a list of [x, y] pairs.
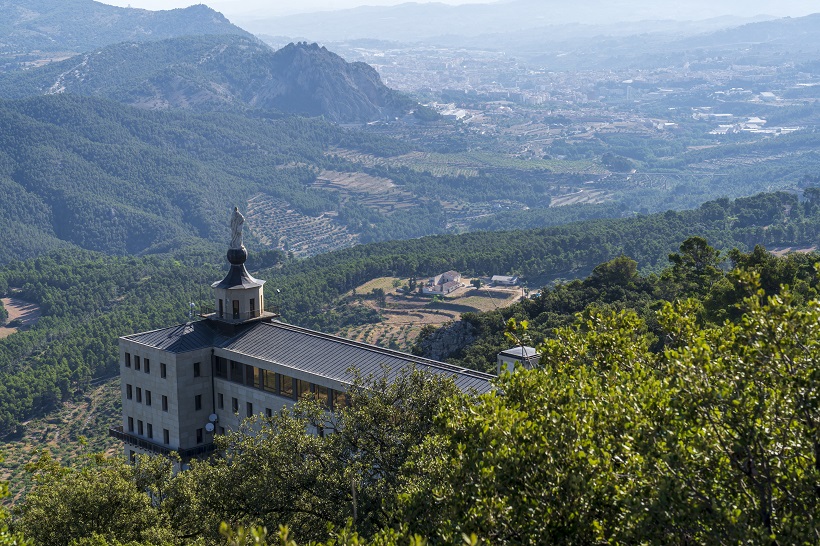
{"points": [[676, 407]]}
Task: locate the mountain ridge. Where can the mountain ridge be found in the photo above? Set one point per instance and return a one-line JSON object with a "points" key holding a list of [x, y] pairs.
{"points": [[218, 72]]}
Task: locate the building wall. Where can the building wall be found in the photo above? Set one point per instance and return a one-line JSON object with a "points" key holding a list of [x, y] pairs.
{"points": [[188, 388], [154, 383]]}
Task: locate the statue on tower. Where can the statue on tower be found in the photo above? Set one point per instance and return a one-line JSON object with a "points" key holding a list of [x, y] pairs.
{"points": [[237, 220]]}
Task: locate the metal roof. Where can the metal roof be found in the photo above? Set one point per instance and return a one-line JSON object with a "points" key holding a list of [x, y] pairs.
{"points": [[331, 356], [182, 338], [238, 277], [309, 351]]}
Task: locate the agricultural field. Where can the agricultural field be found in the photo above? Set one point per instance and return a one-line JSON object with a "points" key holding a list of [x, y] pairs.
{"points": [[405, 314], [374, 192], [277, 225], [78, 429]]}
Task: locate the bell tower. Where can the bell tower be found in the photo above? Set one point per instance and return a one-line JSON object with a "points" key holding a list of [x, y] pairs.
{"points": [[238, 298]]}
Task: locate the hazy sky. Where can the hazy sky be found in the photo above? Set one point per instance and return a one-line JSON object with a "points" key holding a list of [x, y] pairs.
{"points": [[232, 8]]}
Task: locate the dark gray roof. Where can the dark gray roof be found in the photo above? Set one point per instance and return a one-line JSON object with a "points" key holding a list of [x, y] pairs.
{"points": [[331, 356], [305, 350], [182, 338], [238, 277]]}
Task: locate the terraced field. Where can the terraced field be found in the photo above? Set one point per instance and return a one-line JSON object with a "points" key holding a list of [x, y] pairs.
{"points": [[371, 191], [277, 225], [404, 315]]}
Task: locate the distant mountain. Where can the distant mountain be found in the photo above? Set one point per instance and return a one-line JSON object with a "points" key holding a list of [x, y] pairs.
{"points": [[218, 72], [58, 26], [413, 22]]}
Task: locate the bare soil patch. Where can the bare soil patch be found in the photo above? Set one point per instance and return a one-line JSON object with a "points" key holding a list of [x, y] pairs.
{"points": [[25, 313]]}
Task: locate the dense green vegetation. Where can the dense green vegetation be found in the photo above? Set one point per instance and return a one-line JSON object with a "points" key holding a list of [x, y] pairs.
{"points": [[88, 300], [690, 425]]}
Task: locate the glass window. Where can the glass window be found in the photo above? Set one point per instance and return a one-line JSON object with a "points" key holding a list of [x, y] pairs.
{"points": [[147, 398], [166, 436], [127, 360], [199, 435], [269, 381], [128, 392], [251, 375], [236, 372], [248, 409], [286, 386], [220, 400], [139, 395], [136, 363], [221, 368], [197, 370], [339, 400], [139, 427], [198, 402], [322, 394], [163, 370], [235, 405], [150, 430], [222, 430], [164, 403], [130, 424], [147, 365], [268, 413], [304, 389]]}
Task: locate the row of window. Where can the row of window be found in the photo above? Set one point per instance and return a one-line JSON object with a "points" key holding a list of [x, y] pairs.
{"points": [[144, 365], [129, 394], [147, 430], [277, 383]]}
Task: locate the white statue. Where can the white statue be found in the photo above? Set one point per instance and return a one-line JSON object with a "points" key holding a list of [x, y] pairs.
{"points": [[236, 228]]}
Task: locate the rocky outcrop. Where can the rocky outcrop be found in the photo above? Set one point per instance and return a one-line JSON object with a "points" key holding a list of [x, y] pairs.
{"points": [[446, 341]]}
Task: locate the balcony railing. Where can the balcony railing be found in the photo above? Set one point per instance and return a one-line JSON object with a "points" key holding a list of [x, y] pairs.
{"points": [[142, 443], [230, 316]]}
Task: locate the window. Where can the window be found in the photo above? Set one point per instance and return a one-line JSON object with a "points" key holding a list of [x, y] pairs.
{"points": [[339, 400], [236, 372], [127, 360], [132, 456], [221, 308], [236, 309], [199, 435], [268, 413], [147, 398], [248, 409], [322, 395], [197, 370], [234, 405], [286, 386], [150, 430], [220, 400], [251, 375], [222, 430], [253, 307], [164, 403], [130, 424], [198, 402], [163, 370], [269, 381], [147, 365], [166, 436], [139, 427], [136, 363], [139, 395], [304, 389], [128, 391], [221, 367]]}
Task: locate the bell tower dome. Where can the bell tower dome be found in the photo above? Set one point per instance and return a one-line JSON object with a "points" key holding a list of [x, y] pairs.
{"points": [[239, 297]]}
